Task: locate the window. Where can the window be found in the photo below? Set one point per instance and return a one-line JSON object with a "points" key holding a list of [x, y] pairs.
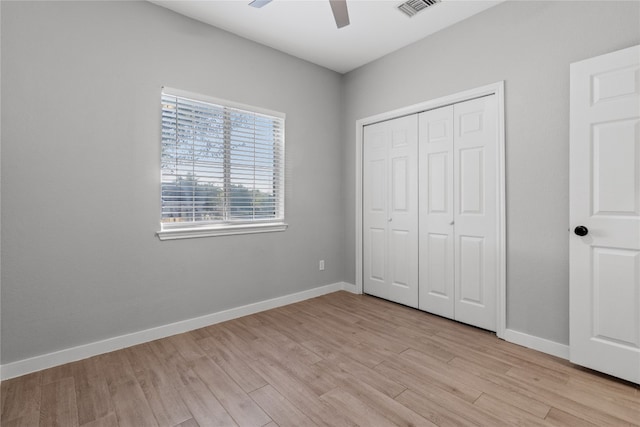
{"points": [[222, 167]]}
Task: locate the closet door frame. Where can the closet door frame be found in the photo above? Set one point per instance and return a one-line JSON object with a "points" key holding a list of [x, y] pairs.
{"points": [[496, 89]]}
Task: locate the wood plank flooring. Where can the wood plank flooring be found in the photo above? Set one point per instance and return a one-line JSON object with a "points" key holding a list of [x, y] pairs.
{"points": [[336, 360]]}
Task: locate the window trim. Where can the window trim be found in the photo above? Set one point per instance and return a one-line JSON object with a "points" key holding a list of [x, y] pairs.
{"points": [[220, 230], [195, 230]]}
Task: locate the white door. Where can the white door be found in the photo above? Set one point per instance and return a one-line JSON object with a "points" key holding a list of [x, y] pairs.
{"points": [[390, 210], [436, 217], [605, 214], [459, 211], [476, 211]]}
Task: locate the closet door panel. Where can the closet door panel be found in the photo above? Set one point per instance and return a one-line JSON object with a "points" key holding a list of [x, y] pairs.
{"points": [[399, 249], [471, 177], [472, 286], [390, 210], [377, 254], [402, 218], [399, 185], [476, 209], [436, 211], [375, 211], [438, 275]]}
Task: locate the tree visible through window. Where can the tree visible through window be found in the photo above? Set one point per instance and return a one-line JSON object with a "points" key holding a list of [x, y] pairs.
{"points": [[221, 165]]}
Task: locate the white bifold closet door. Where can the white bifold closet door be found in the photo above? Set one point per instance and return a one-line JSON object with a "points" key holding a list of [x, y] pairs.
{"points": [[390, 210], [458, 224]]}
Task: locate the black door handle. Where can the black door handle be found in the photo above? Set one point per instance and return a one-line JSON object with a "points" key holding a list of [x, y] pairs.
{"points": [[581, 230]]}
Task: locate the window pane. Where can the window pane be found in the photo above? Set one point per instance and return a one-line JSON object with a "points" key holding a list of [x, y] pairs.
{"points": [[219, 164]]}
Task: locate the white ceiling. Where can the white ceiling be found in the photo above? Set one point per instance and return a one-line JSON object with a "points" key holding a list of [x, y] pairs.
{"points": [[306, 28]]}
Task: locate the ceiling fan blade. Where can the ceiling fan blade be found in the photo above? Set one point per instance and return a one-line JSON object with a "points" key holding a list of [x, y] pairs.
{"points": [[340, 12], [259, 3]]}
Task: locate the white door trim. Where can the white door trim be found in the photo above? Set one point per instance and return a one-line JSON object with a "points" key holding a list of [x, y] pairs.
{"points": [[491, 89]]}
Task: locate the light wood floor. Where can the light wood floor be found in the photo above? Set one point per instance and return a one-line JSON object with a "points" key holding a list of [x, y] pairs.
{"points": [[336, 360]]}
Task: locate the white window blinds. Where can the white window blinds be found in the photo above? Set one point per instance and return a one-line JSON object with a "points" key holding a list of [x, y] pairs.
{"points": [[221, 165]]}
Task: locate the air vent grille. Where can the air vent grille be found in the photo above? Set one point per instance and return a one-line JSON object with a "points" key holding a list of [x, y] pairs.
{"points": [[411, 7]]}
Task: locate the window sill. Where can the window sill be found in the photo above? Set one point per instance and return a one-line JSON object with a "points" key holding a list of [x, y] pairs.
{"points": [[227, 230]]}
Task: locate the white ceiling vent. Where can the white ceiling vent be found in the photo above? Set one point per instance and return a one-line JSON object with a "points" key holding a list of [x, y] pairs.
{"points": [[411, 7]]}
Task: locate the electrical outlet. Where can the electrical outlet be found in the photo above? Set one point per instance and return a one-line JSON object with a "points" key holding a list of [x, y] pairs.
{"points": [[321, 265]]}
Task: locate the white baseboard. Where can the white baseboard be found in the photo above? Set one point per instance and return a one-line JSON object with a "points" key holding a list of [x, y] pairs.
{"points": [[37, 363], [530, 341], [350, 287]]}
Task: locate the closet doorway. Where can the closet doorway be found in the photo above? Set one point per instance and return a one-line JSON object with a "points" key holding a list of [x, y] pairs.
{"points": [[430, 220]]}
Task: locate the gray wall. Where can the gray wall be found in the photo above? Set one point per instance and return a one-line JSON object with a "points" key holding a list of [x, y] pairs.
{"points": [[80, 173], [529, 45]]}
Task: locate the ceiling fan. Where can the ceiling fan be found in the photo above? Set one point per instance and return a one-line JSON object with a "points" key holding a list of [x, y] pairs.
{"points": [[338, 7]]}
